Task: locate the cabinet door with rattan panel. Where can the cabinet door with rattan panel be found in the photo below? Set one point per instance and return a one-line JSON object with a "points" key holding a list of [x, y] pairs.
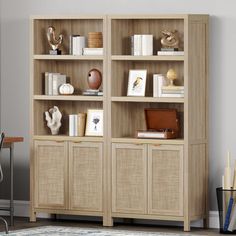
{"points": [[165, 180], [50, 174], [85, 181], [129, 178]]}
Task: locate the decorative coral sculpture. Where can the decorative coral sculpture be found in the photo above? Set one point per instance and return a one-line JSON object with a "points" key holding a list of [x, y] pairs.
{"points": [[53, 118]]}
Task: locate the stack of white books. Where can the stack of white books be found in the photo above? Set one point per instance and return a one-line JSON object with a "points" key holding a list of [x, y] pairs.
{"points": [[93, 92], [142, 45], [93, 51], [52, 82], [170, 52], [172, 91]]}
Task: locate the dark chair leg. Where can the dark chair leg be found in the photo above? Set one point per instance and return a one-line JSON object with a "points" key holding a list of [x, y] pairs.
{"points": [[6, 225]]}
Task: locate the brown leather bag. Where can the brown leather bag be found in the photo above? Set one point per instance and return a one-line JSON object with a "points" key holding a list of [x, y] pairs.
{"points": [[163, 120]]}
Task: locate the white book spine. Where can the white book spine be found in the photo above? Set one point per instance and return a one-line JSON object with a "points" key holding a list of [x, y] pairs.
{"points": [[132, 44], [74, 45], [174, 53], [158, 82], [137, 45], [55, 80], [80, 44], [75, 125], [147, 45], [46, 81], [71, 45], [50, 83], [169, 95], [71, 125]]}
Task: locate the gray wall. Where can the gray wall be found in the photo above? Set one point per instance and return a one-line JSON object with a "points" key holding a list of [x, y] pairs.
{"points": [[15, 70]]}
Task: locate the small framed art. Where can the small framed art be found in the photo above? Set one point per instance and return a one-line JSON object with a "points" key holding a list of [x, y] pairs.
{"points": [[94, 123], [137, 83]]}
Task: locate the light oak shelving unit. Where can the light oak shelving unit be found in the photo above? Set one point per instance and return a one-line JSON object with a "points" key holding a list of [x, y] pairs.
{"points": [[118, 175]]}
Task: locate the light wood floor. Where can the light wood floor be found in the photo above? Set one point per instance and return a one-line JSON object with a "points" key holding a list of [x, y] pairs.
{"points": [[23, 223]]}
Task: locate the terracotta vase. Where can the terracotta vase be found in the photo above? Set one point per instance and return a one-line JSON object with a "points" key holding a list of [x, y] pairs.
{"points": [[94, 79]]}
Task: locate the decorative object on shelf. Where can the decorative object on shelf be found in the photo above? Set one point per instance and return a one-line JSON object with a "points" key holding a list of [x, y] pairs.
{"points": [[137, 83], [94, 124], [66, 89], [95, 40], [54, 42], [170, 40], [160, 123], [170, 44], [53, 118], [94, 79], [171, 75]]}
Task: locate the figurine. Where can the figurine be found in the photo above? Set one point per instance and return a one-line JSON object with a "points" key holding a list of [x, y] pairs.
{"points": [[53, 118], [54, 42], [170, 39], [171, 76]]}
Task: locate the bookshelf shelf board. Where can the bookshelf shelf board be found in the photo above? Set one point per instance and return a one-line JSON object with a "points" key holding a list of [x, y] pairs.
{"points": [[68, 138], [150, 141], [146, 58], [67, 57], [68, 98], [147, 99]]}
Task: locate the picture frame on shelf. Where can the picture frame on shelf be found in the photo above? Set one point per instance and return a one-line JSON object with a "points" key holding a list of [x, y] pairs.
{"points": [[137, 83], [94, 122]]}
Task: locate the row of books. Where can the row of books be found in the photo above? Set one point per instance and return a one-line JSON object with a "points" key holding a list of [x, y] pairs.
{"points": [[78, 47], [77, 124], [142, 45], [161, 88], [52, 82]]}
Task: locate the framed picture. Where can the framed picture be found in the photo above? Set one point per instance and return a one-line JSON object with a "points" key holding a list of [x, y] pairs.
{"points": [[137, 83], [94, 123]]}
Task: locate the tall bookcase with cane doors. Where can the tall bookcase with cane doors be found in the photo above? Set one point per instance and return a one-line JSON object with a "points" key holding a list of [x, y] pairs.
{"points": [[118, 175]]}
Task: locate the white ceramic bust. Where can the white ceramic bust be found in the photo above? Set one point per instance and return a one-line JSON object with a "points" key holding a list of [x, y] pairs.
{"points": [[53, 118]]}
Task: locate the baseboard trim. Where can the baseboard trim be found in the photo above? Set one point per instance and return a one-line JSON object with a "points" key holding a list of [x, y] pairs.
{"points": [[21, 208]]}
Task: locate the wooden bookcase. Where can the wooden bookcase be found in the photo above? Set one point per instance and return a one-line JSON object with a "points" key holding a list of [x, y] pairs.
{"points": [[118, 175]]}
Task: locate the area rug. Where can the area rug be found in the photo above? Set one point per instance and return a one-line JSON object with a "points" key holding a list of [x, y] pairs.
{"points": [[73, 231]]}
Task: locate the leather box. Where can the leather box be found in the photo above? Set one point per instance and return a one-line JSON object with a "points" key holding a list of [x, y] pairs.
{"points": [[162, 122]]}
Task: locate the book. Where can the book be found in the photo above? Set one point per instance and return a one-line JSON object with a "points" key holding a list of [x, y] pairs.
{"points": [[170, 95], [137, 45], [132, 45], [57, 80], [92, 93], [173, 88], [158, 82], [46, 82], [93, 51], [169, 49], [78, 43], [147, 44], [150, 134], [170, 53], [172, 92]]}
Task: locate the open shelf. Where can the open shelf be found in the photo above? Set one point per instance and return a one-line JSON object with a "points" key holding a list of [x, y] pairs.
{"points": [[154, 141], [76, 72], [146, 58], [68, 98], [66, 107], [147, 99], [68, 138], [128, 117], [67, 57]]}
